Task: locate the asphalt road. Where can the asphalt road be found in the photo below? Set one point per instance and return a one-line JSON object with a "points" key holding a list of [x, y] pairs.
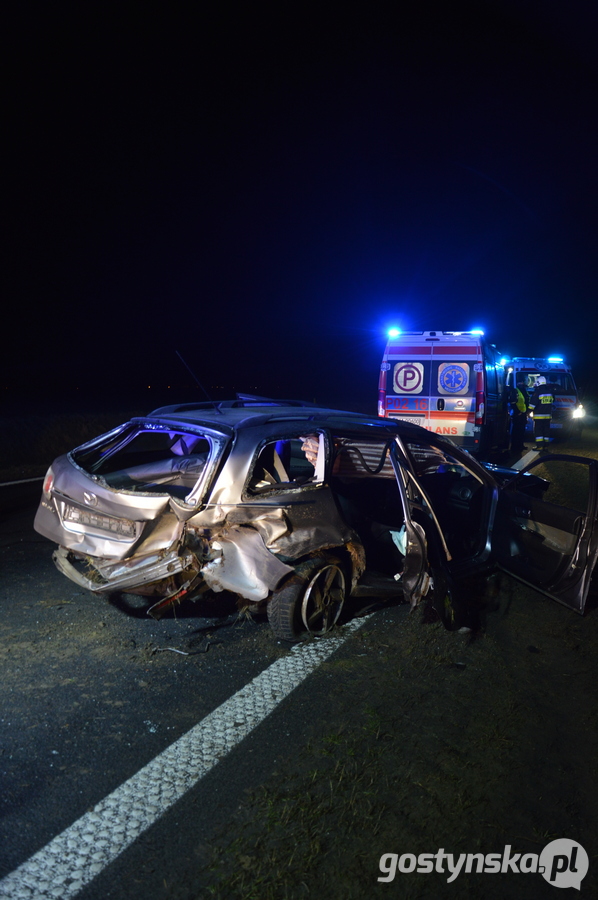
{"points": [[91, 694]]}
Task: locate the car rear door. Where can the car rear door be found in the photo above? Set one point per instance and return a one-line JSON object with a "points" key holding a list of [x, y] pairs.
{"points": [[545, 528], [407, 367]]}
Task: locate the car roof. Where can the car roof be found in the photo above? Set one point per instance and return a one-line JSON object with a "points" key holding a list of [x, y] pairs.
{"points": [[246, 412]]}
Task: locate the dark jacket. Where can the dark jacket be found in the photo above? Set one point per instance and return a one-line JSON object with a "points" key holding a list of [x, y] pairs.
{"points": [[542, 400]]}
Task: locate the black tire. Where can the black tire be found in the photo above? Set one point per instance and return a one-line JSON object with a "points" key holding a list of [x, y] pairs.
{"points": [[309, 601]]}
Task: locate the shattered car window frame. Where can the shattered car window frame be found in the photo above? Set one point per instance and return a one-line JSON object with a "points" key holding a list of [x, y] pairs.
{"points": [[251, 491], [129, 432]]}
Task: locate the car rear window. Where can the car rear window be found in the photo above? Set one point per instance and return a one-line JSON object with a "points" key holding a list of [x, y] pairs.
{"points": [[162, 460]]}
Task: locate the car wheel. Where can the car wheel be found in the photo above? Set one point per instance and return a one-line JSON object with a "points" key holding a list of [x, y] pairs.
{"points": [[310, 600]]}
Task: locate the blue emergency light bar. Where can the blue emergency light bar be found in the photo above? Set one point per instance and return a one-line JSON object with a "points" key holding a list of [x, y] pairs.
{"points": [[555, 359]]}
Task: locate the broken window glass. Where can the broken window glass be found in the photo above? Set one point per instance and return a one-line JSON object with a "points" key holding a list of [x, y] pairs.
{"points": [[284, 462], [148, 459]]}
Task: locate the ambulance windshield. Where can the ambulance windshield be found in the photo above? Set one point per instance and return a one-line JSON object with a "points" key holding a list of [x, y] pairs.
{"points": [[562, 379]]}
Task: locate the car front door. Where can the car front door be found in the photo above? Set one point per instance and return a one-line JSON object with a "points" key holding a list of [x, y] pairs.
{"points": [[545, 528]]}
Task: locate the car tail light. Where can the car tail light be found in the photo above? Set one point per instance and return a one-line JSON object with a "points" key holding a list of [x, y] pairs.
{"points": [[382, 403], [479, 408], [48, 483]]}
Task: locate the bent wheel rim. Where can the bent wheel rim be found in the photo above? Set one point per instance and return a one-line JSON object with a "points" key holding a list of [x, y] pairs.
{"points": [[323, 599]]}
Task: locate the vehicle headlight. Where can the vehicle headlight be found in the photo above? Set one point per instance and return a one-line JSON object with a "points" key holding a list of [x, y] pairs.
{"points": [[579, 412]]}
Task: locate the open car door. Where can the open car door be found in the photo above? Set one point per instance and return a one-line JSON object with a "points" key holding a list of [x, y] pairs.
{"points": [[545, 528]]}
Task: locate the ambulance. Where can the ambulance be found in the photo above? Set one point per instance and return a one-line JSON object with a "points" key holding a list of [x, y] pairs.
{"points": [[568, 411], [449, 382]]}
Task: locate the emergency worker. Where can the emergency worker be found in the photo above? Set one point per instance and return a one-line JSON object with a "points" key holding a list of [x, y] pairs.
{"points": [[541, 404], [519, 403]]}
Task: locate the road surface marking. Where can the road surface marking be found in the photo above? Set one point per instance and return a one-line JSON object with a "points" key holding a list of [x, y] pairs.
{"points": [[529, 456], [72, 859], [21, 481]]}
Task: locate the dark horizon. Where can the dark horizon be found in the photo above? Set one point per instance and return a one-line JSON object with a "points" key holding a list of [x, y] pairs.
{"points": [[268, 193]]}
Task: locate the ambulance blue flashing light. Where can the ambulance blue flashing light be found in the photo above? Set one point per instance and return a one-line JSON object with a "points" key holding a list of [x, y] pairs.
{"points": [[555, 359], [504, 361], [477, 331], [393, 332]]}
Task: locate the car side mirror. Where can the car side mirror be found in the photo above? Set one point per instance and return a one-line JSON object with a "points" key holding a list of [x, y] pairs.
{"points": [[530, 485]]}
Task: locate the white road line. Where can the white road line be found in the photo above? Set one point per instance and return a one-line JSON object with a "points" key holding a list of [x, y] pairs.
{"points": [[529, 456], [21, 481], [72, 859]]}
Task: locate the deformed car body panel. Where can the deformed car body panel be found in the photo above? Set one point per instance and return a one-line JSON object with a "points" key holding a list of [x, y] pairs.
{"points": [[312, 517], [125, 575], [245, 566], [102, 508]]}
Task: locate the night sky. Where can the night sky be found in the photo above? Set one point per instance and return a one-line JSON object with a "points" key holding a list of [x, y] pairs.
{"points": [[266, 189]]}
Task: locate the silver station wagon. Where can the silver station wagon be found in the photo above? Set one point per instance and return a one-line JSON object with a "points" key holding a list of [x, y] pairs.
{"points": [[294, 508]]}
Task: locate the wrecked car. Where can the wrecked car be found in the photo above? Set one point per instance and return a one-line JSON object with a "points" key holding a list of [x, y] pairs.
{"points": [[294, 508]]}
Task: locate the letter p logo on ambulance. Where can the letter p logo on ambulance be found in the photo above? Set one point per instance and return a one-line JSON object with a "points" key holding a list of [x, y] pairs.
{"points": [[564, 863], [408, 378]]}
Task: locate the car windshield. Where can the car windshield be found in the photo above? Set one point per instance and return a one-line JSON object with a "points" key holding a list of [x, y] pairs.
{"points": [[149, 459], [561, 379]]}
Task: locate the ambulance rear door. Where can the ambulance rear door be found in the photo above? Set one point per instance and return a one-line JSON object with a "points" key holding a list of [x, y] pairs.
{"points": [[405, 379], [457, 376]]}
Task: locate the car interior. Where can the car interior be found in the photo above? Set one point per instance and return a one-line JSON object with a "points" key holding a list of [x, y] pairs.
{"points": [[367, 494], [457, 497], [161, 461], [538, 535]]}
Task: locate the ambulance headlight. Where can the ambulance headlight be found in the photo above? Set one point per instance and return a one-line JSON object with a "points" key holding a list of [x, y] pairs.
{"points": [[579, 412]]}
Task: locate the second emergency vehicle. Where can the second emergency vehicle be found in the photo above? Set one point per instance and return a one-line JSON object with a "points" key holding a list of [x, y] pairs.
{"points": [[449, 382], [567, 412]]}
